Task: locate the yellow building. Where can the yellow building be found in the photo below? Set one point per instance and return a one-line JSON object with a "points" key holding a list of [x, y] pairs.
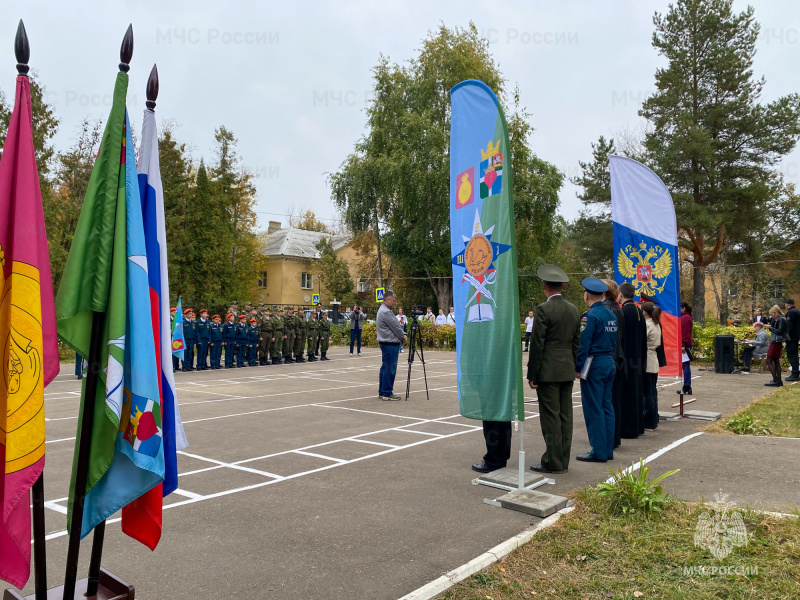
{"points": [[292, 275]]}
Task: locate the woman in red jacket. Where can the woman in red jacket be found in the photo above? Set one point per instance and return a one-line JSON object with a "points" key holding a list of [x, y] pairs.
{"points": [[686, 334]]}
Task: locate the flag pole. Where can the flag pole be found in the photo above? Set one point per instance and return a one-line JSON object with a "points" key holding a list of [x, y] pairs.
{"points": [[84, 447], [87, 420], [22, 52]]}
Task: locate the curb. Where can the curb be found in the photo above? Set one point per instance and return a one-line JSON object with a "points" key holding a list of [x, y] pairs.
{"points": [[443, 583]]}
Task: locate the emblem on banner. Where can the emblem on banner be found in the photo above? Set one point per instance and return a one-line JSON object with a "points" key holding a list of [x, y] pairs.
{"points": [[646, 277], [477, 259], [465, 193], [491, 170]]}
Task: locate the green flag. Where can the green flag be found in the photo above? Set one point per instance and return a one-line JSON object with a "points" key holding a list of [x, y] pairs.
{"points": [[94, 280], [485, 290]]}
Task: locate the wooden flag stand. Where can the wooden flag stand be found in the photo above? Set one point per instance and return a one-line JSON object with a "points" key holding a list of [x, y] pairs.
{"points": [[100, 584]]}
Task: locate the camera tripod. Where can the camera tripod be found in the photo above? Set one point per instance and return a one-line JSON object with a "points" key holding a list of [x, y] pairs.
{"points": [[415, 338]]}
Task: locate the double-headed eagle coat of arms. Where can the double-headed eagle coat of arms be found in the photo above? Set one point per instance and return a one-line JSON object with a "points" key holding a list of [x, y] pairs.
{"points": [[646, 277]]}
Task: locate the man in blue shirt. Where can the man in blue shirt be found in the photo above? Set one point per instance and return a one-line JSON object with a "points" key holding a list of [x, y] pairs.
{"points": [[596, 370]]}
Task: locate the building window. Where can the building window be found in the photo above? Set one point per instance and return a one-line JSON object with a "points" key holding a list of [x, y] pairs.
{"points": [[307, 281], [262, 280], [363, 286], [733, 291]]}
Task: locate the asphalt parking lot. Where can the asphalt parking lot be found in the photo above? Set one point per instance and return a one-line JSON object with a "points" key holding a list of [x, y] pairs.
{"points": [[299, 483]]}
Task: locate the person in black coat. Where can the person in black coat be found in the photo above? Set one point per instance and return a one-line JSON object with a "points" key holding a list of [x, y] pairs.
{"points": [[793, 334], [610, 301], [634, 349]]}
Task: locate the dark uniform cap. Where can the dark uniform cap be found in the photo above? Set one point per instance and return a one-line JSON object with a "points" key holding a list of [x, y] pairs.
{"points": [[289, 308], [552, 273], [234, 302], [593, 285]]}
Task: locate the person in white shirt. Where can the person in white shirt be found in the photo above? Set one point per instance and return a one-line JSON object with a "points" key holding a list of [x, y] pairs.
{"points": [[403, 320], [441, 319], [528, 329], [451, 317]]}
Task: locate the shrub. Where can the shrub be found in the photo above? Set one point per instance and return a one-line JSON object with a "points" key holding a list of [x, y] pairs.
{"points": [[746, 425], [629, 492]]}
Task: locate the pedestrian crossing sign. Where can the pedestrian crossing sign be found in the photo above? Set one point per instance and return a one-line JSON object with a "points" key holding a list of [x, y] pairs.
{"points": [[315, 299], [379, 294]]}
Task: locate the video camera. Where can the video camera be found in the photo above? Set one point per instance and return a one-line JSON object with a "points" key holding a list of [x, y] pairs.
{"points": [[418, 310]]}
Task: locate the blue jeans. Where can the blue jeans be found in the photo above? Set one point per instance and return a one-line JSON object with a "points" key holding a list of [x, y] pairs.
{"points": [[687, 370], [355, 334], [389, 354]]}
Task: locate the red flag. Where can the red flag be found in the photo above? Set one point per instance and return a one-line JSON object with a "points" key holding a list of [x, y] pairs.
{"points": [[28, 341]]}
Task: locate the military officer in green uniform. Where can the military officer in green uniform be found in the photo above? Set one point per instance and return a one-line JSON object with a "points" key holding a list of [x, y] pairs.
{"points": [[324, 335], [280, 336], [289, 332], [555, 341], [311, 332], [300, 336], [266, 329], [736, 318]]}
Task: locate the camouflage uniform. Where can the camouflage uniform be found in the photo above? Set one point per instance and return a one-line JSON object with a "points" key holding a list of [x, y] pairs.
{"points": [[266, 331], [312, 327], [289, 330], [324, 335], [300, 337], [277, 345]]}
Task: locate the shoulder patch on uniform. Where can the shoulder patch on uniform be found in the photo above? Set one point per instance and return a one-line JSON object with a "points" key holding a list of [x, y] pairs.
{"points": [[584, 321]]}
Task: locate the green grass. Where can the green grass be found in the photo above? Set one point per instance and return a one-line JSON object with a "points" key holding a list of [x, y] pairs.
{"points": [[591, 553], [778, 414]]}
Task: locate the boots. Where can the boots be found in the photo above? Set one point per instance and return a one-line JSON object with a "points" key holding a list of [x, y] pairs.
{"points": [[287, 360], [312, 358], [299, 358], [276, 361], [324, 356]]}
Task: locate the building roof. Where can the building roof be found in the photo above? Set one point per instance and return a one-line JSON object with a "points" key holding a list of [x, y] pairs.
{"points": [[299, 243]]}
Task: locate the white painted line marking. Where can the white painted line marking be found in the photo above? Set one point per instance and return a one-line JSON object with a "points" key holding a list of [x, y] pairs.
{"points": [[230, 465], [402, 428], [371, 412], [371, 442], [315, 455], [53, 505], [658, 453], [192, 495], [60, 440]]}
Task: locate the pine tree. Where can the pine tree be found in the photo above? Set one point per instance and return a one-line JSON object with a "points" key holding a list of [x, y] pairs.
{"points": [[712, 140]]}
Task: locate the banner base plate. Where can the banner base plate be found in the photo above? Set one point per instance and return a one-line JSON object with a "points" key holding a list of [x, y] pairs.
{"points": [[111, 588]]}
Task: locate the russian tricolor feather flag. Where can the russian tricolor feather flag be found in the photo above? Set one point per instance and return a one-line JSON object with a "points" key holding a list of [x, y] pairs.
{"points": [[140, 518]]}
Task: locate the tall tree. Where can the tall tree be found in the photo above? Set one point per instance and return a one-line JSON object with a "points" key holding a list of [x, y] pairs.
{"points": [[177, 178], [45, 125], [308, 220], [536, 187], [335, 276], [591, 233], [62, 207], [234, 197], [712, 140], [399, 173]]}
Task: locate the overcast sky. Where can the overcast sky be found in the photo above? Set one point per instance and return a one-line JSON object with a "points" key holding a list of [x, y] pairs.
{"points": [[291, 79]]}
